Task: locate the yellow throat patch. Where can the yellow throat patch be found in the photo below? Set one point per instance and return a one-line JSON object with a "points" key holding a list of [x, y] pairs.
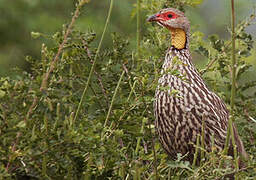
{"points": [[178, 38]]}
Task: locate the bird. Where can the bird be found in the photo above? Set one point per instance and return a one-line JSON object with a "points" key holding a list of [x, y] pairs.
{"points": [[184, 106]]}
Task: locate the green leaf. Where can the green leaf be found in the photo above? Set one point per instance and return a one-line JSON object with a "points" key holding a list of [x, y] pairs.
{"points": [[2, 93], [21, 124]]}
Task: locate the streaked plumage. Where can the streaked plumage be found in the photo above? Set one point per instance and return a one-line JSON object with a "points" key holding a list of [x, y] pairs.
{"points": [[183, 101]]}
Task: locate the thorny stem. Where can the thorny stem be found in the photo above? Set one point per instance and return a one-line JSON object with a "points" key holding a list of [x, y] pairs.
{"points": [[56, 58], [233, 91], [52, 66], [95, 60], [233, 63]]}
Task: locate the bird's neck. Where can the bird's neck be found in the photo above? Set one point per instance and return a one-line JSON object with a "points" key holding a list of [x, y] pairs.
{"points": [[177, 59], [179, 50], [179, 38]]}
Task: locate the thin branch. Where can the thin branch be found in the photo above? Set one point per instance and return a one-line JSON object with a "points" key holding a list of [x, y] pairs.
{"points": [[203, 138], [154, 151], [233, 91], [234, 67], [213, 60], [113, 98], [138, 30], [56, 58], [95, 60], [240, 27], [31, 108], [13, 150], [196, 151], [98, 76]]}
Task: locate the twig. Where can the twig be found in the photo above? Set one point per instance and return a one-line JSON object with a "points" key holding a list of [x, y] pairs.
{"points": [[97, 96], [154, 152], [233, 92], [98, 76], [31, 109], [113, 98], [208, 66], [138, 30], [202, 138], [213, 61], [233, 88], [56, 58], [139, 138], [241, 27], [13, 150], [196, 151]]}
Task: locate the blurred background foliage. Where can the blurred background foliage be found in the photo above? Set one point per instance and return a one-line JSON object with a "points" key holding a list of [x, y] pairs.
{"points": [[19, 17]]}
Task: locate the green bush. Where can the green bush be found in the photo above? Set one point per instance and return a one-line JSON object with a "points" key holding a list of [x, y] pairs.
{"points": [[45, 136]]}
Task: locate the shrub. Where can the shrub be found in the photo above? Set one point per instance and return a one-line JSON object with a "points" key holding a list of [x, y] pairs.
{"points": [[45, 135]]}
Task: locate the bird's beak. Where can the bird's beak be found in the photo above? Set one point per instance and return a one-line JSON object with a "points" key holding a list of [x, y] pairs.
{"points": [[152, 18]]}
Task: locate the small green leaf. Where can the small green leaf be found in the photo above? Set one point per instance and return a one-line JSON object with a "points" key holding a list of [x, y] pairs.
{"points": [[2, 93], [21, 124], [35, 35]]}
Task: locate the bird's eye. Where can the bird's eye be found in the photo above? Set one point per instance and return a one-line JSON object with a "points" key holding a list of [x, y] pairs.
{"points": [[170, 15]]}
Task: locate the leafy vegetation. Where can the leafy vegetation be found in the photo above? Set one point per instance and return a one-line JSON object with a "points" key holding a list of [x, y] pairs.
{"points": [[112, 136]]}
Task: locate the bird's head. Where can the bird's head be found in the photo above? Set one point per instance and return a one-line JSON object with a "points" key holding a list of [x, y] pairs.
{"points": [[171, 18], [176, 22]]}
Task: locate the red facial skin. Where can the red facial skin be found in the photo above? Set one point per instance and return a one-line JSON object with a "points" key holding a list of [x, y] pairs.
{"points": [[163, 16]]}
